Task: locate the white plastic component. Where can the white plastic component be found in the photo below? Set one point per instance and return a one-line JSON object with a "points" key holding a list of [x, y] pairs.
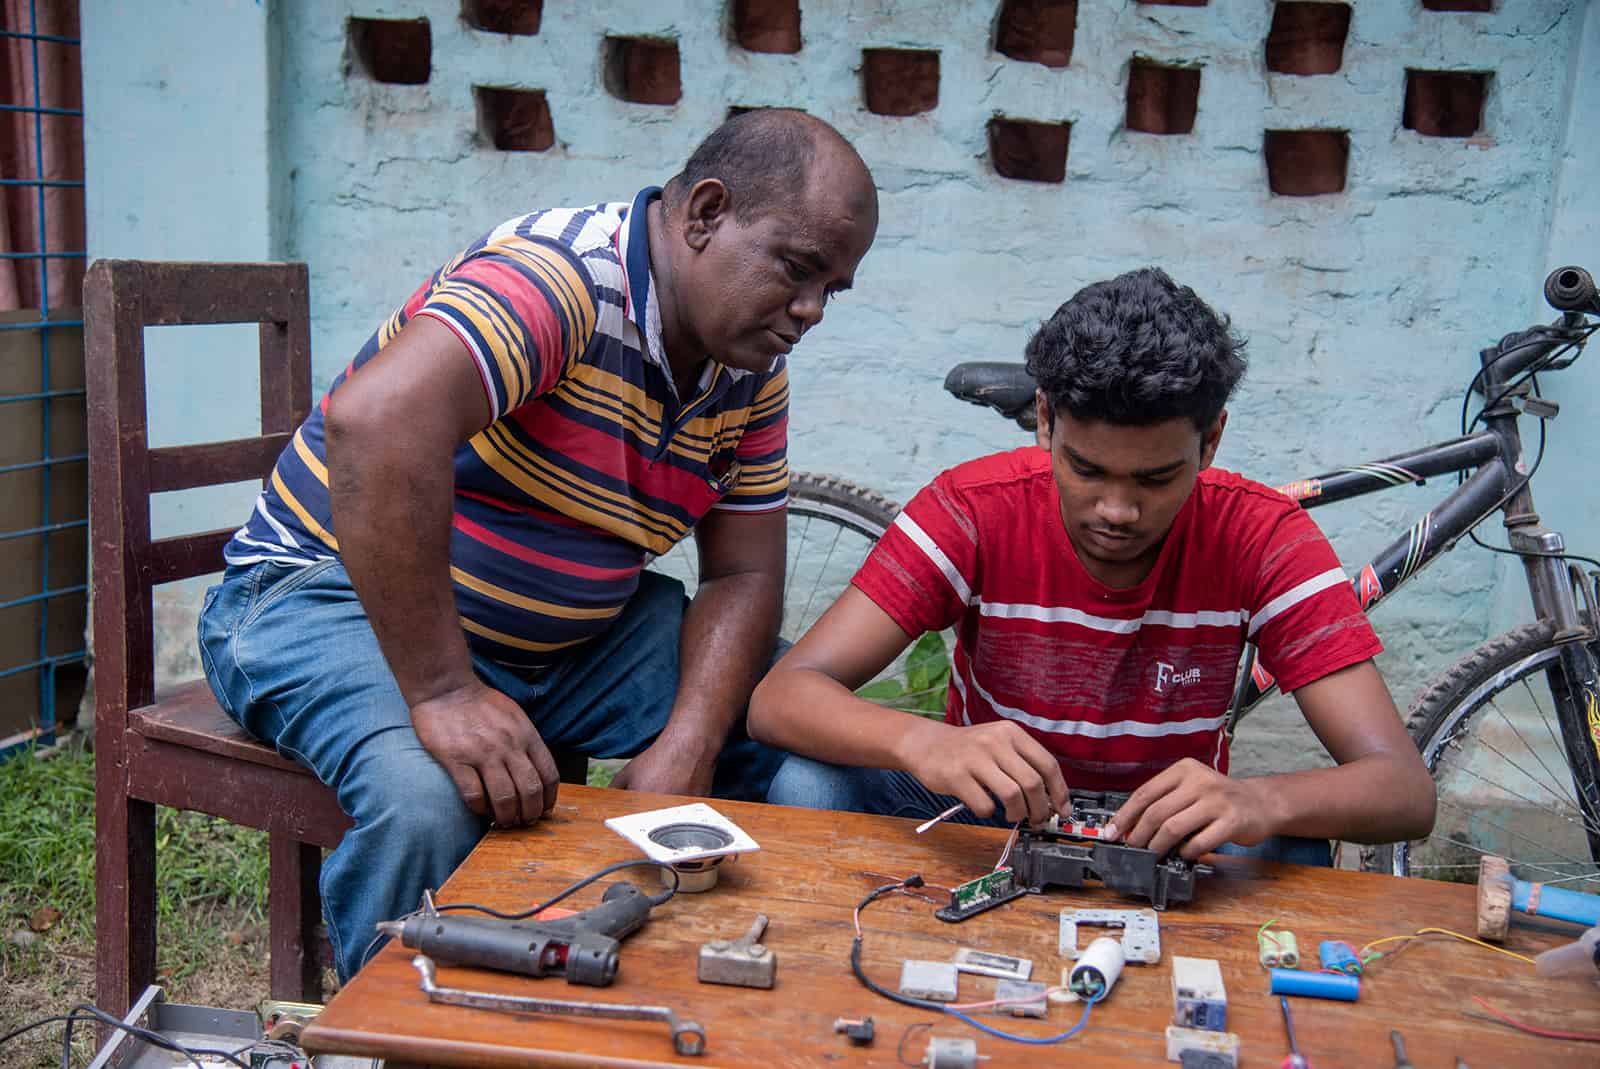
{"points": [[1141, 931], [1198, 997], [1002, 966], [934, 980], [1182, 1039], [644, 829], [1097, 969]]}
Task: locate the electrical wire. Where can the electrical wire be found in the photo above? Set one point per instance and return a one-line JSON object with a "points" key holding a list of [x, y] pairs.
{"points": [[1367, 958], [569, 890], [86, 1012], [1582, 1037], [915, 880], [900, 1047]]}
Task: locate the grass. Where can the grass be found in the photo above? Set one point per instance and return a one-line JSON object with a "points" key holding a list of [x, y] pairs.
{"points": [[211, 902]]}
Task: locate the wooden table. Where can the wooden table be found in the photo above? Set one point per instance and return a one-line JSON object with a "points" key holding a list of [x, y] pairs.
{"points": [[814, 867]]}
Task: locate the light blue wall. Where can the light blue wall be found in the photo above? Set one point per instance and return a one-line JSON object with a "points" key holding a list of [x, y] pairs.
{"points": [[1364, 309]]}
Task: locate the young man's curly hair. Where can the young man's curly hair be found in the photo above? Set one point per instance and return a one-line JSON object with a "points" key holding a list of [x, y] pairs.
{"points": [[1137, 350]]}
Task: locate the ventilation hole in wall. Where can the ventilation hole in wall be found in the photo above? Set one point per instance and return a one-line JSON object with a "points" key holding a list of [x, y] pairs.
{"points": [[1307, 163], [643, 70], [1162, 100], [741, 109], [1307, 38], [1458, 5], [1029, 151], [767, 25], [396, 51], [1173, 3], [520, 17], [1445, 103], [1037, 31], [900, 81], [515, 120]]}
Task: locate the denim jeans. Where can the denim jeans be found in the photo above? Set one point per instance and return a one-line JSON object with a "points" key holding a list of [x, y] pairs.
{"points": [[890, 792], [292, 658]]}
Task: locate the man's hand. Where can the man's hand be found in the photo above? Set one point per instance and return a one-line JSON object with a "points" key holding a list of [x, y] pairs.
{"points": [[984, 762], [670, 765], [1193, 804], [489, 747]]}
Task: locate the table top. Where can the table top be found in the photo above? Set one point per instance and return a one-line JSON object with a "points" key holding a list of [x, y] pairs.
{"points": [[814, 867]]}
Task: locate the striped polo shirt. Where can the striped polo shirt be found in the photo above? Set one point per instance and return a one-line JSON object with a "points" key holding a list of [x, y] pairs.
{"points": [[591, 464], [1116, 683]]}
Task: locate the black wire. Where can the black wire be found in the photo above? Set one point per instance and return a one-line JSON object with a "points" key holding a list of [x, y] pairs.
{"points": [[571, 889], [900, 1047], [574, 888], [914, 880], [86, 1012]]}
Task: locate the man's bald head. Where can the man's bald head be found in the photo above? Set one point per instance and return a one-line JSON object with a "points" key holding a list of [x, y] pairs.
{"points": [[767, 156]]}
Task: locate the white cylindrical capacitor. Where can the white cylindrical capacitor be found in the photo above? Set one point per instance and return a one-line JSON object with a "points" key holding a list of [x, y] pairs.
{"points": [[951, 1053], [1097, 969]]}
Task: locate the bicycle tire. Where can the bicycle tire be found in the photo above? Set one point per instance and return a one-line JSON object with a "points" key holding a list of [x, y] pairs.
{"points": [[1456, 711]]}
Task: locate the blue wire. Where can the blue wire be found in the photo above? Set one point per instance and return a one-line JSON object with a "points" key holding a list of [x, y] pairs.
{"points": [[1035, 1040]]}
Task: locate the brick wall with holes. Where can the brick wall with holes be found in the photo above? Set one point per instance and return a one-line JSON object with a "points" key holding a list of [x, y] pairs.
{"points": [[1364, 187]]}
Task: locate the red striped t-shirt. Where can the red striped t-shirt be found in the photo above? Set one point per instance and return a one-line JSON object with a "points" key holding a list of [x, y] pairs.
{"points": [[1117, 683]]}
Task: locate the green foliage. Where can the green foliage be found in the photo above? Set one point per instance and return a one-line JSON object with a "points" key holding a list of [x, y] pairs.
{"points": [[926, 678]]}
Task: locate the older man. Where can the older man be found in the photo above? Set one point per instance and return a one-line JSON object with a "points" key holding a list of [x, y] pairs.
{"points": [[444, 578]]}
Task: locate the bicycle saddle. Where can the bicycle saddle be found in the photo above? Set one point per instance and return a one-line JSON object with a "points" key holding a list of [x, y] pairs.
{"points": [[1005, 387]]}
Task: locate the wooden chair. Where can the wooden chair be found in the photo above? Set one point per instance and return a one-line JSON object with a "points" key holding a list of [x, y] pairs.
{"points": [[178, 748]]}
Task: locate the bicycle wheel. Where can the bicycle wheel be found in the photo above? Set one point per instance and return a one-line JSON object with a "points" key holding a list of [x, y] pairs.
{"points": [[1488, 732], [833, 525]]}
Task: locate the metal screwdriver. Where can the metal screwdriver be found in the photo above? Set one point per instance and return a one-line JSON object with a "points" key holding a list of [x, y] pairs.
{"points": [[1400, 1059], [1295, 1060]]}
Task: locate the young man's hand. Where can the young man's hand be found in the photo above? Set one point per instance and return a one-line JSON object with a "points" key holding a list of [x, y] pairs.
{"points": [[985, 762], [1194, 804], [487, 744]]}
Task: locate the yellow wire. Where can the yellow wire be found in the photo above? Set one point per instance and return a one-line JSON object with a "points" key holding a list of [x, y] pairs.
{"points": [[1445, 931]]}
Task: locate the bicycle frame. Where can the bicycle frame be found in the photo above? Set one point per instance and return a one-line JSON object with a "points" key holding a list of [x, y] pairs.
{"points": [[1499, 483]]}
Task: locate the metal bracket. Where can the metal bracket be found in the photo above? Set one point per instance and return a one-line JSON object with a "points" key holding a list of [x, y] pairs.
{"points": [[1141, 931], [687, 1036]]}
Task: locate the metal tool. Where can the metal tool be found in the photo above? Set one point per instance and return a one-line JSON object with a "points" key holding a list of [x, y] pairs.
{"points": [[687, 1036], [582, 947], [946, 815], [1295, 1060], [1400, 1059], [743, 962]]}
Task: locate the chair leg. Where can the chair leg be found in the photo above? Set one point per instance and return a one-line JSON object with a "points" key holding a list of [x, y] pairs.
{"points": [[295, 909], [125, 893]]}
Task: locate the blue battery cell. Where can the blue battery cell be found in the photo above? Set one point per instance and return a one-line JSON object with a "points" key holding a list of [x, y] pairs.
{"points": [[1338, 957], [1315, 985]]}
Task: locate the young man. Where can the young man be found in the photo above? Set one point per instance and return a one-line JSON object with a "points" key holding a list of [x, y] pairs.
{"points": [[443, 578], [1102, 587]]}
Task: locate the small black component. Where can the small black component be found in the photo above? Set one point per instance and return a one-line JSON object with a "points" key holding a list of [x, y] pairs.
{"points": [[1203, 1059], [857, 1032], [1050, 859]]}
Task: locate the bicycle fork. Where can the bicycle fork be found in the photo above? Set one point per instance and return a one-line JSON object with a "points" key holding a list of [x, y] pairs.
{"points": [[1575, 687]]}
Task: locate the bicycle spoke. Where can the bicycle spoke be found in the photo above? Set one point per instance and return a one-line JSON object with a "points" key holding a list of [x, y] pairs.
{"points": [[805, 613], [1527, 746], [1477, 814], [1582, 820], [1549, 730], [794, 562], [1517, 862]]}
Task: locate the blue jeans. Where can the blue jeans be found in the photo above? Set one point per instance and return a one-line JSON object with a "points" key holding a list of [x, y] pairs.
{"points": [[890, 792], [292, 658]]}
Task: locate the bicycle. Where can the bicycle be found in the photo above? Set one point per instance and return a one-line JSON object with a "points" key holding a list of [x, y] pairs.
{"points": [[1539, 804]]}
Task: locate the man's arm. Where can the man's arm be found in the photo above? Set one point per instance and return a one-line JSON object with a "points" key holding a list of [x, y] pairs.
{"points": [[392, 431], [807, 705], [728, 634], [1380, 791]]}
